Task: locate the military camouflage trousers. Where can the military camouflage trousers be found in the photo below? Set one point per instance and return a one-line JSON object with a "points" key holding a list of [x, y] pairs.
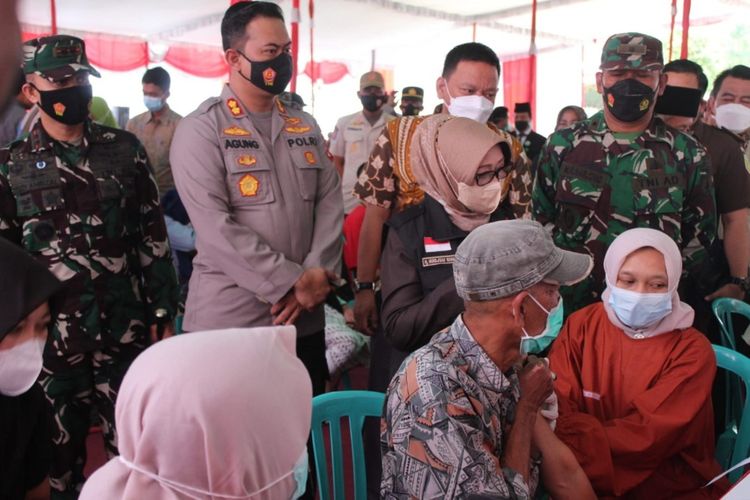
{"points": [[79, 386]]}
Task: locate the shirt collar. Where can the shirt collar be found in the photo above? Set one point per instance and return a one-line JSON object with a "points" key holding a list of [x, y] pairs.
{"points": [[656, 131], [479, 366]]}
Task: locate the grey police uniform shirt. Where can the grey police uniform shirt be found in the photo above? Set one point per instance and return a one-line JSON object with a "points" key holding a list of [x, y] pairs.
{"points": [[261, 216]]}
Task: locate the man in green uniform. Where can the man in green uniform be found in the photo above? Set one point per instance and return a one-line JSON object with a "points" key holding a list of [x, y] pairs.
{"points": [[81, 198], [622, 168]]}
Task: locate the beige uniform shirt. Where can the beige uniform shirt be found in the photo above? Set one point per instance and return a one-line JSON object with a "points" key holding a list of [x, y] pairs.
{"points": [[353, 139], [156, 136], [261, 216]]}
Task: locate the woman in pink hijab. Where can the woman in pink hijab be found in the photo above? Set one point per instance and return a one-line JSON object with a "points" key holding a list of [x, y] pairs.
{"points": [[211, 415], [634, 379]]}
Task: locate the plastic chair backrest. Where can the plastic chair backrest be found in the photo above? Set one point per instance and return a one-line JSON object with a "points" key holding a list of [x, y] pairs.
{"points": [[330, 408], [740, 365], [723, 309]]}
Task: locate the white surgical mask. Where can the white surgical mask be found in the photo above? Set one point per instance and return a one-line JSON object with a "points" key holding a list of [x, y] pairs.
{"points": [[20, 366], [474, 107], [639, 310], [301, 470], [482, 199], [153, 104], [734, 117]]}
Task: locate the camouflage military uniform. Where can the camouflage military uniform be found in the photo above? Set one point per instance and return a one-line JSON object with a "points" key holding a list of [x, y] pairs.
{"points": [[592, 183], [91, 213], [591, 186]]}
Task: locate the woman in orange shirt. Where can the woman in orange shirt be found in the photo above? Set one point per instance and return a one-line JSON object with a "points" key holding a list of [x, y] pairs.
{"points": [[634, 380]]}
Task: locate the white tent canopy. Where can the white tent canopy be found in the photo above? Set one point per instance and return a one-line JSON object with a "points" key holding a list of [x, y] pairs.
{"points": [[408, 38]]}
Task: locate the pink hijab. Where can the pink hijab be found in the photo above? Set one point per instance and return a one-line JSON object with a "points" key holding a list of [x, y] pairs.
{"points": [[628, 242], [210, 415], [448, 149]]}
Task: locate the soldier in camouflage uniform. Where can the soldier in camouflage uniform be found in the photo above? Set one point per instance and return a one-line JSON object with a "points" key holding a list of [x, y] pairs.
{"points": [[81, 198], [623, 168]]}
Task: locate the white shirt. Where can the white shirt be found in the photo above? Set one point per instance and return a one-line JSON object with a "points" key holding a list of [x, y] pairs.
{"points": [[353, 139]]}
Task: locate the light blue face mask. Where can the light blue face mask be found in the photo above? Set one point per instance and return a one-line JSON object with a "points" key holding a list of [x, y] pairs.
{"points": [[538, 343], [639, 310], [153, 104], [301, 470]]}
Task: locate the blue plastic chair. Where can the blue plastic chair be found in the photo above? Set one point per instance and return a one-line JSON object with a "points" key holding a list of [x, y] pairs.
{"points": [[329, 409], [734, 444], [723, 309]]}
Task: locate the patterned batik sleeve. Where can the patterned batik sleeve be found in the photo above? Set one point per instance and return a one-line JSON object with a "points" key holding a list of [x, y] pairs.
{"points": [[443, 452], [521, 183], [699, 218], [543, 206], [158, 274], [377, 184], [9, 226]]}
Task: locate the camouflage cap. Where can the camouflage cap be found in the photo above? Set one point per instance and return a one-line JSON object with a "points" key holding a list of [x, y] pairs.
{"points": [[413, 93], [632, 51], [56, 57]]}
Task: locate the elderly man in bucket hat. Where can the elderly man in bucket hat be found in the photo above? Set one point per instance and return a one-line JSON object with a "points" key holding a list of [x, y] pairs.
{"points": [[81, 199], [622, 168], [463, 417]]}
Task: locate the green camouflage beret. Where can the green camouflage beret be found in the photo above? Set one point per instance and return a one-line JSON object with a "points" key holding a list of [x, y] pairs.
{"points": [[56, 57], [632, 51]]}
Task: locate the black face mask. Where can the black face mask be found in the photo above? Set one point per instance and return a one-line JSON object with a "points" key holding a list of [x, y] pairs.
{"points": [[69, 106], [522, 125], [629, 100], [411, 110], [272, 76], [372, 102]]}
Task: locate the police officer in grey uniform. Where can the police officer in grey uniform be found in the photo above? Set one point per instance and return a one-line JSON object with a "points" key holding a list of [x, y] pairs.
{"points": [[263, 197]]}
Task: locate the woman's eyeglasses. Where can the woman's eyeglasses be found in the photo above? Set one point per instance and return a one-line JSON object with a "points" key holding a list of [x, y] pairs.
{"points": [[486, 177]]}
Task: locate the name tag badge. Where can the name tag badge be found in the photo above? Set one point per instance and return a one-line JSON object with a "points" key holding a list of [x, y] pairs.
{"points": [[438, 260]]}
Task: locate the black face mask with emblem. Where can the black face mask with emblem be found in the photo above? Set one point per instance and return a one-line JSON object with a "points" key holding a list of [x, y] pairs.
{"points": [[272, 76], [69, 105], [629, 100]]}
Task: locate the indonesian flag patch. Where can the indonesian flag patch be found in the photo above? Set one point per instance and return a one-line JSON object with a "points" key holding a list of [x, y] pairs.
{"points": [[432, 246]]}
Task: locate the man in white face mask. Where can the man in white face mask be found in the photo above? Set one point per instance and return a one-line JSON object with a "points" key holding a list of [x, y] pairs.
{"points": [[468, 86], [25, 423], [730, 104]]}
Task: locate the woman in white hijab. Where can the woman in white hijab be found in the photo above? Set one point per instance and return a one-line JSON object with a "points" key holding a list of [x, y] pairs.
{"points": [[211, 415], [634, 379]]}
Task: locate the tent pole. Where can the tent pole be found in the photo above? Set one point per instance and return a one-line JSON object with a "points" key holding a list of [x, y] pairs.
{"points": [[295, 42], [53, 15], [311, 8], [685, 28], [532, 63], [671, 28]]}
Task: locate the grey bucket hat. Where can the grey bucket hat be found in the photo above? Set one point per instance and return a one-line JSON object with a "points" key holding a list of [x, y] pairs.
{"points": [[504, 258]]}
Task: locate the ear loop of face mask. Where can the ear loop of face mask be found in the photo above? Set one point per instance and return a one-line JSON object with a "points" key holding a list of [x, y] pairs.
{"points": [[192, 491]]}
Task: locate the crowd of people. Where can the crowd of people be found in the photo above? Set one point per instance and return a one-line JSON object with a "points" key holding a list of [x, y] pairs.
{"points": [[536, 310]]}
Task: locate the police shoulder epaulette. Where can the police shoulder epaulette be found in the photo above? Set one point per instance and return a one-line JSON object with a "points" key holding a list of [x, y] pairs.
{"points": [[206, 105], [400, 219]]}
